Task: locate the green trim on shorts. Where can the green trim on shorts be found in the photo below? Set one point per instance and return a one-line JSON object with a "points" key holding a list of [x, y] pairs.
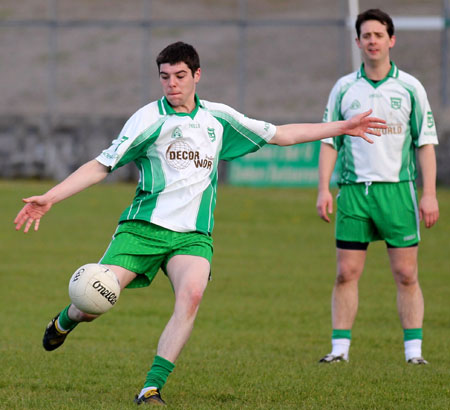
{"points": [[368, 212], [144, 248]]}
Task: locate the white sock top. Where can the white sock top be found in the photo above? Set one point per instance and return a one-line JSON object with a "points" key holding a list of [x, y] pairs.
{"points": [[413, 348], [340, 347]]}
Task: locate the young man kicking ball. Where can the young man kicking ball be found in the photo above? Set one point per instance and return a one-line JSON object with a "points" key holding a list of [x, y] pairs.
{"points": [[176, 142]]}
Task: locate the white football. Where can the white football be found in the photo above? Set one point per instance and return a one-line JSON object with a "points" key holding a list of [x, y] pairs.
{"points": [[94, 288]]}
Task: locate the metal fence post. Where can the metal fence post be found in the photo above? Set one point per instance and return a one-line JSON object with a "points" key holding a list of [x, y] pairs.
{"points": [[146, 40], [445, 53], [50, 118], [52, 57], [242, 54]]}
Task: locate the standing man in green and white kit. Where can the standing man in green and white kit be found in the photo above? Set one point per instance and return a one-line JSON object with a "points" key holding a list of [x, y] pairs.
{"points": [[176, 143], [377, 199]]}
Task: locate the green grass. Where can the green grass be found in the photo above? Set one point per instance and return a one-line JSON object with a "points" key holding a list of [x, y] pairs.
{"points": [[263, 324]]}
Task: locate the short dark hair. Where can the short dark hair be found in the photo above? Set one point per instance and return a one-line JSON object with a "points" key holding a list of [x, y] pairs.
{"points": [[179, 52], [375, 14]]}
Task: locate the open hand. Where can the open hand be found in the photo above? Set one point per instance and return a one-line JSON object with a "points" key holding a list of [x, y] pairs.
{"points": [[362, 124], [36, 207]]}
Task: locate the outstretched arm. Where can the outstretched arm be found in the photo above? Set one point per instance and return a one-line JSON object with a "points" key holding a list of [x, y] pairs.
{"points": [[37, 206], [428, 205], [357, 126]]}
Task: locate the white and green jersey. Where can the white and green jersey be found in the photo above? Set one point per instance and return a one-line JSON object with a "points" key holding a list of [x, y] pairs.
{"points": [[401, 100], [177, 155]]}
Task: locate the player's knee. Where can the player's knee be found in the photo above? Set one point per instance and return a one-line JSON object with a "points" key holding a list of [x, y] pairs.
{"points": [[406, 277], [195, 296], [190, 300], [347, 273]]}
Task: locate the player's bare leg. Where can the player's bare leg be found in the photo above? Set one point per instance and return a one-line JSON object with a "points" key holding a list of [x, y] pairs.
{"points": [[350, 265], [189, 276], [344, 301], [410, 302], [64, 322], [409, 295]]}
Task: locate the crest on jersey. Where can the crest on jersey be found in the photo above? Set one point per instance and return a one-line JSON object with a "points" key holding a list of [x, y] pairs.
{"points": [[211, 134], [177, 133], [355, 105], [430, 119], [396, 103]]}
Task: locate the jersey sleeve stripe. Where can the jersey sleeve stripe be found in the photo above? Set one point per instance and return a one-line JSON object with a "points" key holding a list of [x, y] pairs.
{"points": [[238, 127]]}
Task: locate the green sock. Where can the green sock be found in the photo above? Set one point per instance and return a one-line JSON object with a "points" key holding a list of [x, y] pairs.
{"points": [[341, 334], [65, 322], [411, 334], [159, 372]]}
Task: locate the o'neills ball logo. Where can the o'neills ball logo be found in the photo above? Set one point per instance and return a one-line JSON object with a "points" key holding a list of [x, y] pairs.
{"points": [[110, 296], [77, 274]]}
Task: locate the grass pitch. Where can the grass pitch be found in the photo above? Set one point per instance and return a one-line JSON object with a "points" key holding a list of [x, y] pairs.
{"points": [[263, 324]]}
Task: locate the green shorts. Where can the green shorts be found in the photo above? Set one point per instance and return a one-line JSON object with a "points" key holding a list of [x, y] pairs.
{"points": [[368, 212], [144, 248]]}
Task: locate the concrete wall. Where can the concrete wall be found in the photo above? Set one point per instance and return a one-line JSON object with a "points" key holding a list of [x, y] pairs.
{"points": [[32, 148]]}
